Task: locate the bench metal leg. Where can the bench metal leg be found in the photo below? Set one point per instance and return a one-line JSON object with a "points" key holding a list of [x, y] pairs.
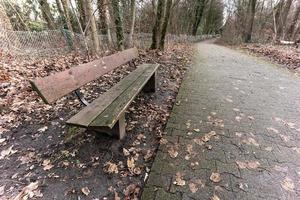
{"points": [[117, 131], [151, 84]]}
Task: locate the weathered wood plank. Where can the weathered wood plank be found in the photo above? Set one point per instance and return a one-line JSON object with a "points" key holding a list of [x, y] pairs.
{"points": [[112, 113], [90, 112], [55, 86]]}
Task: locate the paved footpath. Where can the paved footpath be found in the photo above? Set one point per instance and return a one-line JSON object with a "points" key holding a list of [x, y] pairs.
{"points": [[234, 132]]}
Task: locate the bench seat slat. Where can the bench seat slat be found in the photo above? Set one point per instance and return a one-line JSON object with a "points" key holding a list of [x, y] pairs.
{"points": [[110, 115], [55, 86], [90, 112]]}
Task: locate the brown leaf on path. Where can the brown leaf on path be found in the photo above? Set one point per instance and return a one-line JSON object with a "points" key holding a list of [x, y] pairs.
{"points": [[248, 165], [86, 191], [172, 150], [288, 184], [179, 179], [132, 192], [253, 165], [29, 191], [250, 141], [126, 152], [47, 165], [7, 152], [193, 187], [271, 129], [215, 197], [199, 141], [111, 168], [2, 188], [238, 118], [189, 149], [130, 163], [117, 196], [215, 177], [208, 136]]}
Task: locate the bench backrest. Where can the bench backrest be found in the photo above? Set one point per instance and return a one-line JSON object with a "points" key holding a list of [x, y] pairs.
{"points": [[55, 86]]}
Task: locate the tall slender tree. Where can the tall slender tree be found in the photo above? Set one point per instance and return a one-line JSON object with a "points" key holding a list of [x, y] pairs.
{"points": [[65, 5], [250, 20], [157, 24], [118, 24], [200, 5], [46, 12], [132, 10], [92, 26], [165, 24]]}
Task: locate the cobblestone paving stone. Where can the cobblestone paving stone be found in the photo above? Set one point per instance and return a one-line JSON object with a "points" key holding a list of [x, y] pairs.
{"points": [[238, 117]]}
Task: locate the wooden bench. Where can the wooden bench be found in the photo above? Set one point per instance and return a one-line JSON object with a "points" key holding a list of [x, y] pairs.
{"points": [[107, 113]]}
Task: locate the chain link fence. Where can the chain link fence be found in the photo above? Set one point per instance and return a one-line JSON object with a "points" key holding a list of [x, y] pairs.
{"points": [[53, 42]]}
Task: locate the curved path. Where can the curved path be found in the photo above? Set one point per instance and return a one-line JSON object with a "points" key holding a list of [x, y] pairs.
{"points": [[234, 132]]}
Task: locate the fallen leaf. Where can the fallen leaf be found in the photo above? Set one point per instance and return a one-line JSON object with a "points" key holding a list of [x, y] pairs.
{"points": [[229, 100], [208, 136], [215, 197], [173, 152], [253, 165], [117, 196], [29, 191], [110, 168], [250, 141], [2, 140], [2, 188], [288, 184], [189, 148], [130, 163], [215, 177], [251, 117], [248, 165], [238, 118], [47, 165], [272, 129], [85, 191], [43, 129], [126, 152], [193, 187], [179, 179], [7, 152]]}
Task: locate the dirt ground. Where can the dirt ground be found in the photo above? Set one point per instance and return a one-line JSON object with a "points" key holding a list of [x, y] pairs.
{"points": [[41, 157]]}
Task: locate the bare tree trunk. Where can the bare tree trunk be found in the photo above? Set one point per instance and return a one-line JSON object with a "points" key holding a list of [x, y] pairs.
{"points": [[158, 22], [93, 27], [281, 11], [250, 20], [82, 12], [198, 15], [288, 35], [46, 12], [60, 10], [119, 24], [5, 23], [65, 4], [102, 18], [132, 9], [165, 24]]}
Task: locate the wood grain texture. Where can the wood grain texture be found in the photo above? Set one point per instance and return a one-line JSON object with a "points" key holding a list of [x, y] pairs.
{"points": [[111, 114], [55, 86], [90, 112]]}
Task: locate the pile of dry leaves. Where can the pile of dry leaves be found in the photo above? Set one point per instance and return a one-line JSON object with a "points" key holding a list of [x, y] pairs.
{"points": [[286, 55], [42, 157]]}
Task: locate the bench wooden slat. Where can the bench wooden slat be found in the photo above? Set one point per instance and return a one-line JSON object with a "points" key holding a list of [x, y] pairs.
{"points": [[90, 112], [110, 116], [55, 86]]}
